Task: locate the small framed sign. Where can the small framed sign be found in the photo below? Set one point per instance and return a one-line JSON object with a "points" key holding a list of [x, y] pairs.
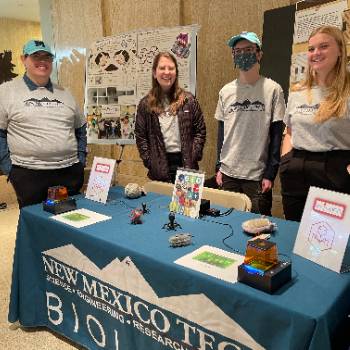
{"points": [[100, 179], [187, 193], [324, 228]]}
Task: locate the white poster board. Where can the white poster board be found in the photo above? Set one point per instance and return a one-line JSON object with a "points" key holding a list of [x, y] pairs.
{"points": [[119, 74], [80, 218], [214, 262], [324, 228], [307, 20], [100, 179], [187, 193]]}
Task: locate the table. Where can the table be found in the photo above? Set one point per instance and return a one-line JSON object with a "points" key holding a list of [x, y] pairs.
{"points": [[114, 285]]}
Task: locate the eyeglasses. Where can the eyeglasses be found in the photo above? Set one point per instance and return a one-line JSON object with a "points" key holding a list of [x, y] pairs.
{"points": [[248, 49], [41, 57]]}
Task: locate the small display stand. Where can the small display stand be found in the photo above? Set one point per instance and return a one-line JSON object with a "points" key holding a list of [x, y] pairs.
{"points": [[261, 268], [57, 201]]}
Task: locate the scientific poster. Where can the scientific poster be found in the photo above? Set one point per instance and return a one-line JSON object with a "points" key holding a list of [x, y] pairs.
{"points": [[181, 42], [119, 74], [307, 20], [110, 98]]}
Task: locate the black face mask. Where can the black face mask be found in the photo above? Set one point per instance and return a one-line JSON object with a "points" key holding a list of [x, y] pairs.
{"points": [[245, 61]]}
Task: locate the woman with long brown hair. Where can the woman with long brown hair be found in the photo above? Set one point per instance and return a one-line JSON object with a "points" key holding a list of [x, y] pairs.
{"points": [[316, 147], [170, 130]]}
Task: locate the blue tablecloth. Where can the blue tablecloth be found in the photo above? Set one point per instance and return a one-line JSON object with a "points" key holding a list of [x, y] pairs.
{"points": [[114, 285]]}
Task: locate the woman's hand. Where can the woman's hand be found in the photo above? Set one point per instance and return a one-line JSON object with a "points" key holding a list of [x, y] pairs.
{"points": [[266, 185], [219, 178], [287, 143]]}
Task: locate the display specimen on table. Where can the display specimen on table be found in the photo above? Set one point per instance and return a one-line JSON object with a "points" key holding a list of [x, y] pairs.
{"points": [[324, 228], [118, 70], [261, 268], [101, 175], [259, 225], [57, 201], [187, 192]]}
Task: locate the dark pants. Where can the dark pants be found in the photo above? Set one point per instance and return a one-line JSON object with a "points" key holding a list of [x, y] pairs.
{"points": [[31, 185], [301, 169], [174, 162], [261, 202]]}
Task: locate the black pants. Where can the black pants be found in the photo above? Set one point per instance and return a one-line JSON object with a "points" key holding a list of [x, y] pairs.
{"points": [[174, 162], [301, 169], [261, 202], [31, 185]]}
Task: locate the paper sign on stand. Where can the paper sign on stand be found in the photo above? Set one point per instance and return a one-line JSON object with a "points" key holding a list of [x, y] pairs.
{"points": [[100, 179], [324, 228], [187, 193]]}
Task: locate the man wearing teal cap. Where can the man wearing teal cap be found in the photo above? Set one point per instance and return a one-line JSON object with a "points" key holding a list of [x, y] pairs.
{"points": [[42, 131], [250, 110]]}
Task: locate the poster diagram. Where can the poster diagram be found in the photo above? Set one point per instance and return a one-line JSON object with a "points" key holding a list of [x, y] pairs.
{"points": [[309, 19], [119, 74], [187, 193]]}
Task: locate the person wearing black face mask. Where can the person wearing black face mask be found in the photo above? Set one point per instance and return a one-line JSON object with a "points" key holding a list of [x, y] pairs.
{"points": [[250, 110]]}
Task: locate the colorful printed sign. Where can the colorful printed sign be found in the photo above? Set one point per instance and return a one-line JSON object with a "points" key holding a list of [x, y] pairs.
{"points": [[187, 193], [324, 228]]}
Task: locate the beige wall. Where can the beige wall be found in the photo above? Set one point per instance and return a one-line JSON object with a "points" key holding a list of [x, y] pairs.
{"points": [[78, 23], [14, 34]]}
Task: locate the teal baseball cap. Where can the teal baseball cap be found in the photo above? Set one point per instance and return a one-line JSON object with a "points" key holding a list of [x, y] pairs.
{"points": [[250, 36], [33, 46]]}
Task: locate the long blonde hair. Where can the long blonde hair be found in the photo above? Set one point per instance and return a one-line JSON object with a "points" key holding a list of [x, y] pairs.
{"points": [[335, 103], [155, 96]]}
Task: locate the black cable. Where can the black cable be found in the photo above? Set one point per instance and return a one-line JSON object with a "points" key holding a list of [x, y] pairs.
{"points": [[227, 237], [122, 202], [227, 212]]}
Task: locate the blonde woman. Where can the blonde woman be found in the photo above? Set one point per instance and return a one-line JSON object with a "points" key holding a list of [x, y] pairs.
{"points": [[316, 147]]}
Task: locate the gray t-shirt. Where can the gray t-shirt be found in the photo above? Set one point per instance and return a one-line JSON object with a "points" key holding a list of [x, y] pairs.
{"points": [[40, 125], [333, 134], [247, 112]]}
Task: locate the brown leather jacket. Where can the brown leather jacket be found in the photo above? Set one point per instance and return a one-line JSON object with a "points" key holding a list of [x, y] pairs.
{"points": [[150, 143]]}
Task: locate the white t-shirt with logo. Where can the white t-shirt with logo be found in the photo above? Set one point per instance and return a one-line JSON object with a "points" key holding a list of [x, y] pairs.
{"points": [[333, 134], [247, 111], [169, 126], [40, 125]]}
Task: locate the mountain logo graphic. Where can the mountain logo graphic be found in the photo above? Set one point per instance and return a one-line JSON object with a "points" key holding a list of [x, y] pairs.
{"points": [[247, 106], [125, 276], [44, 102], [307, 109]]}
